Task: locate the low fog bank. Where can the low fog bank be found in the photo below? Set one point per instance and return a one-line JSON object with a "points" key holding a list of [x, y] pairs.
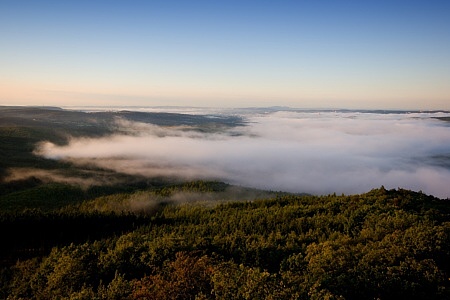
{"points": [[85, 180], [317, 153]]}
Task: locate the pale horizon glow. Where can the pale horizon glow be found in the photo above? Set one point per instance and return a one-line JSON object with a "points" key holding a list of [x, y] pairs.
{"points": [[380, 55]]}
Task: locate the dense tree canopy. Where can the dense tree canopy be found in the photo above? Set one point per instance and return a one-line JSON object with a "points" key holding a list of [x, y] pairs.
{"points": [[386, 244]]}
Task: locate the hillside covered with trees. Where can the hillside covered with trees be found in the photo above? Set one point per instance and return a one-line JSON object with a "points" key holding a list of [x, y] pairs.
{"points": [[385, 244], [77, 231]]}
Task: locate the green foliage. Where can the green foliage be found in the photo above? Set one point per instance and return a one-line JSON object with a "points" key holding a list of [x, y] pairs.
{"points": [[165, 239], [186, 277], [383, 244], [46, 196]]}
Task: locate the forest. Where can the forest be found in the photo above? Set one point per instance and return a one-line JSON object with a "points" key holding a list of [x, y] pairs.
{"points": [[385, 244], [163, 238]]}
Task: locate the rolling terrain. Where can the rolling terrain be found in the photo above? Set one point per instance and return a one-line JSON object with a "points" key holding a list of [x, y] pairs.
{"points": [[75, 230]]}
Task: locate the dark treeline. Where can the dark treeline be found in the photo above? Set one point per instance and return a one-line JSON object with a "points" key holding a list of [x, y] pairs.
{"points": [[33, 193], [34, 233], [386, 244]]}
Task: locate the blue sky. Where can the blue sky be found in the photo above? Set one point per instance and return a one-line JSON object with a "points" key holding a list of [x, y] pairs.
{"points": [[321, 54]]}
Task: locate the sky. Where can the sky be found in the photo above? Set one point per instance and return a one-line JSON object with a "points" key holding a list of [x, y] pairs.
{"points": [[304, 54]]}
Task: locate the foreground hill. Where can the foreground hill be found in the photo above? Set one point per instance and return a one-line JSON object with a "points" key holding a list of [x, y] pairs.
{"points": [[386, 244]]}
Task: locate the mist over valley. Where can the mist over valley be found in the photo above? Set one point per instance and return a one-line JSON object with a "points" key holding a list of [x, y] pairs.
{"points": [[317, 152], [177, 203]]}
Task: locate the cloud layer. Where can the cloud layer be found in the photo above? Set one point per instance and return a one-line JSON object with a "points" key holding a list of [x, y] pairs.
{"points": [[317, 153]]}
